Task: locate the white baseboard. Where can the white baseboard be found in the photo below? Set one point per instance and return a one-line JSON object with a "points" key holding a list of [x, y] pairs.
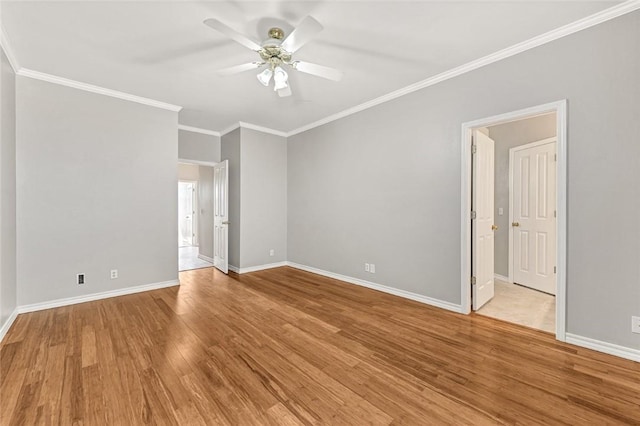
{"points": [[383, 288], [257, 268], [95, 296], [205, 258], [501, 278], [607, 348], [7, 324]]}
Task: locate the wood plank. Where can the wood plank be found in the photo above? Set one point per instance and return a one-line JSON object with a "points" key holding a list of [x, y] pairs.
{"points": [[288, 347]]}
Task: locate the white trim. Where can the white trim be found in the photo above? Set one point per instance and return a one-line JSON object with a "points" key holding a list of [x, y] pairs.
{"points": [[24, 72], [262, 129], [197, 162], [205, 258], [383, 288], [502, 278], [8, 50], [8, 323], [561, 220], [95, 296], [512, 152], [560, 108], [245, 125], [257, 268], [229, 129], [604, 347], [198, 130], [579, 25]]}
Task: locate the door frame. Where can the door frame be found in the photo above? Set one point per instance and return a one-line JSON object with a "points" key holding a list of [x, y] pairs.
{"points": [[560, 109], [512, 152], [194, 219]]}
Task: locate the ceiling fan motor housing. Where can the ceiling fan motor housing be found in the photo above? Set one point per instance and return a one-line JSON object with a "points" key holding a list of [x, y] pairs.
{"points": [[271, 51]]}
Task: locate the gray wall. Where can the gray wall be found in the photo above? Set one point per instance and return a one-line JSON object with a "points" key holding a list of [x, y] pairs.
{"points": [[8, 281], [507, 136], [198, 146], [96, 190], [205, 211], [383, 185], [230, 150], [264, 198], [257, 197]]}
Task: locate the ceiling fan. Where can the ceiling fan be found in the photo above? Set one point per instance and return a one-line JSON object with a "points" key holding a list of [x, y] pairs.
{"points": [[276, 52]]}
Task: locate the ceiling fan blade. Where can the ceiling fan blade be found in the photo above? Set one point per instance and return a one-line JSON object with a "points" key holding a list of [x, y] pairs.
{"points": [[239, 68], [319, 70], [284, 92], [232, 34], [308, 28]]}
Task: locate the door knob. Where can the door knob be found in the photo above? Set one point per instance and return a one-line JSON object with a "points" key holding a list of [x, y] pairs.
{"points": [[494, 227], [226, 222], [515, 224]]}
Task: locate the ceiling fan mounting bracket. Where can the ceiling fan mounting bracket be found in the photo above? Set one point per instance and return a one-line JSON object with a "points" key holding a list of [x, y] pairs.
{"points": [[276, 33]]}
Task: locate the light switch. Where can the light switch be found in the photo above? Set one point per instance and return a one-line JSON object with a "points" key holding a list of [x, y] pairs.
{"points": [[500, 211]]}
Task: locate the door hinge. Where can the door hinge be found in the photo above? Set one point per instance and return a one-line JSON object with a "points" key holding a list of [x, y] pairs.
{"points": [[474, 149], [555, 213], [554, 269], [555, 157], [473, 280], [473, 215]]}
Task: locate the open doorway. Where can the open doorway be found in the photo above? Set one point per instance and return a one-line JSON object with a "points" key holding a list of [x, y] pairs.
{"points": [[195, 216], [514, 226]]}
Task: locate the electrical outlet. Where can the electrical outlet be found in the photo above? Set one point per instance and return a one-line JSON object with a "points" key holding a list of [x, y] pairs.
{"points": [[366, 267], [114, 274], [272, 252], [80, 279], [372, 268], [635, 324]]}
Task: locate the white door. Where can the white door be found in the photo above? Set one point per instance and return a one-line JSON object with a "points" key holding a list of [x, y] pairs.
{"points": [[221, 216], [482, 226], [533, 222], [186, 231]]}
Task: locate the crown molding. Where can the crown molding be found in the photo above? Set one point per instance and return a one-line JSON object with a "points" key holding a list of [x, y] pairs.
{"points": [[229, 129], [262, 129], [8, 50], [24, 72], [198, 130], [590, 21], [574, 27], [245, 125]]}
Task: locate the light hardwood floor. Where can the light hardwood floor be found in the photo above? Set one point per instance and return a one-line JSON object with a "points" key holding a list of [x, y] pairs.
{"points": [[286, 347]]}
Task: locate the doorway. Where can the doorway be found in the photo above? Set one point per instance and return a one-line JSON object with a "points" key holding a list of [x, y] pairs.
{"points": [[514, 217], [195, 216]]}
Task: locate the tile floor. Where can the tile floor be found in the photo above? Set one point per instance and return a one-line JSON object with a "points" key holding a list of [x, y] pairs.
{"points": [[522, 305], [188, 259]]}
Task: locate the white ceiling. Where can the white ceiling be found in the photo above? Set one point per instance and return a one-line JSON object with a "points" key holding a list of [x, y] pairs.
{"points": [[161, 50]]}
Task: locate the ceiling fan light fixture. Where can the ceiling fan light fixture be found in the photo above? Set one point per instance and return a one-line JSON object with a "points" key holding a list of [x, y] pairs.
{"points": [[280, 78], [265, 76]]}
